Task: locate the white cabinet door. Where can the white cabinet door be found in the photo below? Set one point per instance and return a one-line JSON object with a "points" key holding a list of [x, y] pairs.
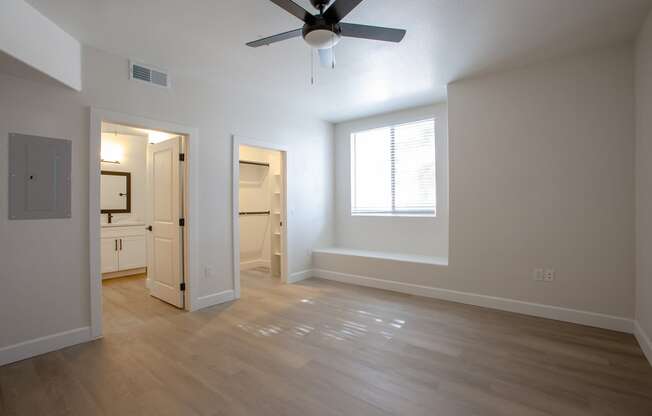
{"points": [[109, 252], [132, 252]]}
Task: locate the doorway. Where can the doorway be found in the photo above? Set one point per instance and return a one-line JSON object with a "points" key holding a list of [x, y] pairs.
{"points": [[259, 214], [139, 214], [142, 212]]}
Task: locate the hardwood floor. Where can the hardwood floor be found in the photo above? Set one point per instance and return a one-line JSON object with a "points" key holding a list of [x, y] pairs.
{"points": [[323, 348]]}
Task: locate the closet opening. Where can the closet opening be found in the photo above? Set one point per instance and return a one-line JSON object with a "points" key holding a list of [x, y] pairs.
{"points": [[260, 238]]}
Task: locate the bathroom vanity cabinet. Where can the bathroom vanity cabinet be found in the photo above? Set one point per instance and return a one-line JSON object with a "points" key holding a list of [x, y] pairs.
{"points": [[124, 248]]}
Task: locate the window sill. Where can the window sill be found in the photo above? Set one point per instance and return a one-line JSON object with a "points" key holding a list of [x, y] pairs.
{"points": [[407, 258], [371, 214]]}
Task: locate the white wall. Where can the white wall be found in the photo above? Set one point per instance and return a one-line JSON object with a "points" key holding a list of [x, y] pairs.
{"points": [[134, 161], [406, 235], [32, 38], [541, 175], [644, 181], [45, 264]]}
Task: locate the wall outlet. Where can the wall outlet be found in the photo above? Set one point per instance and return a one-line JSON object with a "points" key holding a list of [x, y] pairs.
{"points": [[537, 274], [549, 275]]}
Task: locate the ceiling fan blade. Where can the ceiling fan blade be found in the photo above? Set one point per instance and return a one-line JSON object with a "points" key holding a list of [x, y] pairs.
{"points": [[339, 10], [372, 32], [295, 10], [276, 38], [326, 58]]}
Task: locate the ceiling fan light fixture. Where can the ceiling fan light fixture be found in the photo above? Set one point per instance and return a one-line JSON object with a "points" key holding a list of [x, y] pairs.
{"points": [[324, 30], [321, 38]]}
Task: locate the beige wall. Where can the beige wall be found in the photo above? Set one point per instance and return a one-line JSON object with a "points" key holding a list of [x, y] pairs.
{"points": [[45, 264], [541, 175], [644, 179]]}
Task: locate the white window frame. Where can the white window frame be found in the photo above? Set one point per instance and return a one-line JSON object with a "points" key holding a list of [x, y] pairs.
{"points": [[393, 213]]}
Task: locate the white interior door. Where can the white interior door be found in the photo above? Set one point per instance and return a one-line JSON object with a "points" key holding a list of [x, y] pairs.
{"points": [[164, 266]]}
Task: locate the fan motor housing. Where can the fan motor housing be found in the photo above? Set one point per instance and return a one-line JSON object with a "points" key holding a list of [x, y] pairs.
{"points": [[321, 35]]}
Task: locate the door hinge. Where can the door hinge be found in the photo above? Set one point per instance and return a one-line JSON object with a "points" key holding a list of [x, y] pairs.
{"points": [[182, 222], [182, 157], [182, 286]]}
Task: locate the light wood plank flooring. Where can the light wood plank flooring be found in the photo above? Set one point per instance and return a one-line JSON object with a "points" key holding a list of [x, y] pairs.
{"points": [[323, 348]]}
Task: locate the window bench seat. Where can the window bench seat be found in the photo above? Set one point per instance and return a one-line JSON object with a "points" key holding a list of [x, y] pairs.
{"points": [[407, 258]]}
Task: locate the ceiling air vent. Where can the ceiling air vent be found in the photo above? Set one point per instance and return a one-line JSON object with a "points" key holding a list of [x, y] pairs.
{"points": [[148, 74]]}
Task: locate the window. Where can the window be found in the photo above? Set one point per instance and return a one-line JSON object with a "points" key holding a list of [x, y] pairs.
{"points": [[393, 170]]}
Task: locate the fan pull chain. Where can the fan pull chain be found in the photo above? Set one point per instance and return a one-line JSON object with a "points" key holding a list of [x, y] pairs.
{"points": [[332, 46], [312, 67]]}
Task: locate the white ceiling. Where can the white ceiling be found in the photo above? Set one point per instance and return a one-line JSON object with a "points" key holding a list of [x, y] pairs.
{"points": [[446, 40]]}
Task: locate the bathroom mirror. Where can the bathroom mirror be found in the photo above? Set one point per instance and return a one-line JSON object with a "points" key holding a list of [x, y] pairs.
{"points": [[116, 192]]}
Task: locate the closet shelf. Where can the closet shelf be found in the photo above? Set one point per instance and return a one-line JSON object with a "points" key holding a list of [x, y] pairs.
{"points": [[250, 183]]}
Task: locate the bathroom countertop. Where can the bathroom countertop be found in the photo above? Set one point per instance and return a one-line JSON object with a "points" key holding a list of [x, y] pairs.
{"points": [[122, 224]]}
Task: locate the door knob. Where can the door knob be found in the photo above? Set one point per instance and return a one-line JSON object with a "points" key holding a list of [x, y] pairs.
{"points": [[149, 228]]}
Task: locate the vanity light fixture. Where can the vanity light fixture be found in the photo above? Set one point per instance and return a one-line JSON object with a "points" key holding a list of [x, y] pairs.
{"points": [[111, 152]]}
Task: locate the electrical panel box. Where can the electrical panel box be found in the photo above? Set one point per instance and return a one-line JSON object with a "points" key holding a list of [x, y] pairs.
{"points": [[39, 177]]}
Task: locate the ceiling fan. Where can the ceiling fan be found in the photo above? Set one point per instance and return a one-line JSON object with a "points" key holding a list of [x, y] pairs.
{"points": [[324, 30]]}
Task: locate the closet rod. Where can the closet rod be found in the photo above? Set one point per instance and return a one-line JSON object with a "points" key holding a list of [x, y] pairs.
{"points": [[255, 213], [244, 162]]}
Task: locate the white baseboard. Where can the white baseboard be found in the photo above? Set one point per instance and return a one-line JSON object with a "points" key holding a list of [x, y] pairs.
{"points": [[213, 299], [643, 340], [42, 345], [252, 264], [504, 304], [299, 276]]}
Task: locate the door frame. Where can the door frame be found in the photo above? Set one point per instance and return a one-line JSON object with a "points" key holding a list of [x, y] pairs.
{"points": [[235, 186], [191, 206]]}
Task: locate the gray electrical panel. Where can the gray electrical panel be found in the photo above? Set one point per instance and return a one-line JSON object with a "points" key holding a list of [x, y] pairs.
{"points": [[39, 177]]}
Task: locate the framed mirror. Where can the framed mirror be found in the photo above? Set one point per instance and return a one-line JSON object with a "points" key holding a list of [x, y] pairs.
{"points": [[115, 192]]}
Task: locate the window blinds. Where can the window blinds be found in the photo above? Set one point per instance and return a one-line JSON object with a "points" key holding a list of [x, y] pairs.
{"points": [[393, 170]]}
